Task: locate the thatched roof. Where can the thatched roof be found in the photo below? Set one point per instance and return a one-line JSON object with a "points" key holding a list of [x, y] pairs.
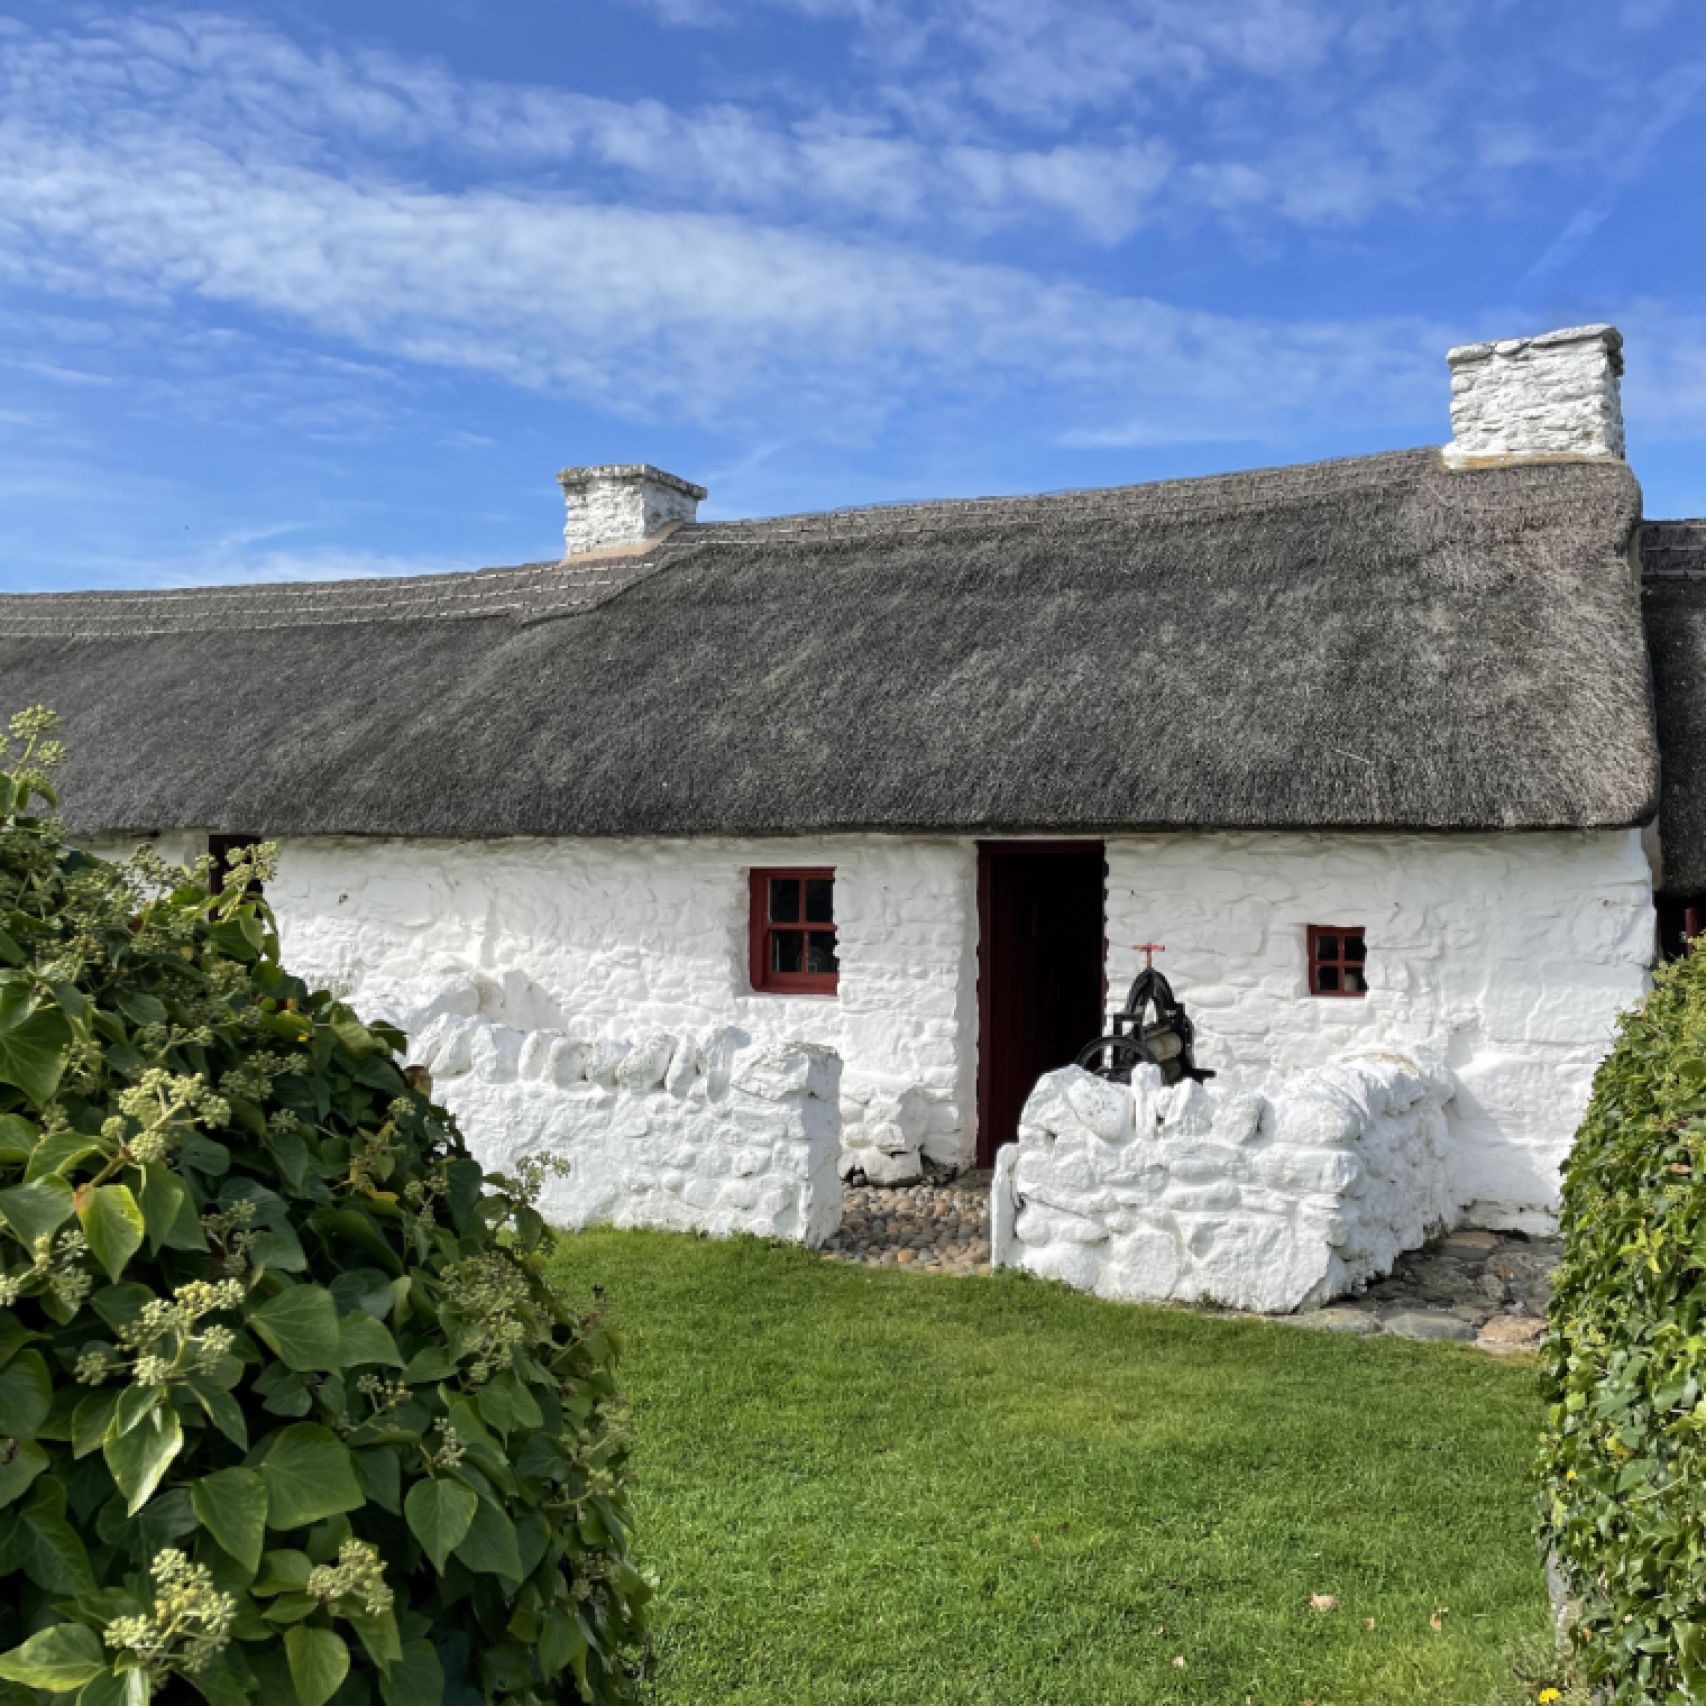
{"points": [[1673, 562], [1368, 643]]}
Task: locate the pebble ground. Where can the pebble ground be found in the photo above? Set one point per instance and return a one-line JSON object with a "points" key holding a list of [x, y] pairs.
{"points": [[938, 1229], [1484, 1288]]}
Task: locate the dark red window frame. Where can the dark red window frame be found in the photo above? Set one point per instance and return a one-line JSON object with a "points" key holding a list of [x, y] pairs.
{"points": [[762, 929], [1339, 962]]}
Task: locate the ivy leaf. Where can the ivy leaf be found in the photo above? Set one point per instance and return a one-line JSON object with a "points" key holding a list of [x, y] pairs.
{"points": [[91, 1419], [440, 1514], [59, 1659], [378, 1635], [381, 1477], [33, 1042], [20, 1469], [46, 1545], [168, 1211], [489, 1547], [59, 1154], [139, 1458], [34, 1210], [365, 1340], [113, 1224], [417, 1679], [319, 1662], [231, 1505], [121, 1688], [222, 1409], [26, 1394], [301, 1325], [18, 1137], [308, 1475]]}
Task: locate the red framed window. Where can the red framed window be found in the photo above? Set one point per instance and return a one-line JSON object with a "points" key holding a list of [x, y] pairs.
{"points": [[1337, 956], [792, 934]]}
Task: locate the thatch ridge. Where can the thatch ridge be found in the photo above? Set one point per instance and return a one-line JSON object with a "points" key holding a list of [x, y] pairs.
{"points": [[1373, 643]]}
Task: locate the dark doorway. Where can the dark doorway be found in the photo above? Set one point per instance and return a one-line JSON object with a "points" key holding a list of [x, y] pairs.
{"points": [[1039, 985]]}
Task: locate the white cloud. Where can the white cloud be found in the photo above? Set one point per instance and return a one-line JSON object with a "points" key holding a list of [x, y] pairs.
{"points": [[638, 310], [244, 86], [941, 146]]}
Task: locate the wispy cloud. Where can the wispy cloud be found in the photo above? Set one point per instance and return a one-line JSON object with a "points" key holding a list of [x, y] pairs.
{"points": [[1678, 95], [937, 151], [636, 310]]}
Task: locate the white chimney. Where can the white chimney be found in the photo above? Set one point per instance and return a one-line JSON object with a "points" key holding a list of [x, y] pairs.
{"points": [[623, 504], [1526, 399]]}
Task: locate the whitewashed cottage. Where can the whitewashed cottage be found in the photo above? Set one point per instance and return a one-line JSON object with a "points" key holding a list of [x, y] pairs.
{"points": [[1369, 745]]}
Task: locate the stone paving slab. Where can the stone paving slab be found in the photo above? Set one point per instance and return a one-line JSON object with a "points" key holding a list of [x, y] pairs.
{"points": [[1472, 1286]]}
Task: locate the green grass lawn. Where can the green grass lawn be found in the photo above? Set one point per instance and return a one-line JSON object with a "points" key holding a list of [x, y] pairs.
{"points": [[880, 1488]]}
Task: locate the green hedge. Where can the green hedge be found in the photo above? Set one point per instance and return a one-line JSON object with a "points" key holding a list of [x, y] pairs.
{"points": [[1624, 1464], [287, 1410]]}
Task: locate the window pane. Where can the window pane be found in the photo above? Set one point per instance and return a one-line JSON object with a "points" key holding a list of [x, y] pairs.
{"points": [[820, 900], [784, 900], [1354, 984], [822, 952], [1326, 977], [1355, 949], [785, 950], [1326, 947]]}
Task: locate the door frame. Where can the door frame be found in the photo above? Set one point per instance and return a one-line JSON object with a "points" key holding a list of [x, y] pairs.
{"points": [[986, 849]]}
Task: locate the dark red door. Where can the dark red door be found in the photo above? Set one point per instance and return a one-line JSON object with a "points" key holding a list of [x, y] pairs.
{"points": [[1040, 991]]}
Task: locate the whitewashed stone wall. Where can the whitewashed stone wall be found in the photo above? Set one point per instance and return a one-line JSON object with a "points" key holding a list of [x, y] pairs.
{"points": [[1504, 958], [722, 1136], [1194, 1194], [617, 939], [1553, 395], [622, 503]]}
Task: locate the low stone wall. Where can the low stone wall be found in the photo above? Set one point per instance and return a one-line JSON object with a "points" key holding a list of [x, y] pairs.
{"points": [[1263, 1202], [721, 1136]]}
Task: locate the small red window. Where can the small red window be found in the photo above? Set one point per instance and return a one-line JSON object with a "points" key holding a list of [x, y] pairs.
{"points": [[1337, 953], [793, 932]]}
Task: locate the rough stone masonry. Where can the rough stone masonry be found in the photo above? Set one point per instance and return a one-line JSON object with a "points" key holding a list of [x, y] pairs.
{"points": [[721, 1136], [1262, 1202]]}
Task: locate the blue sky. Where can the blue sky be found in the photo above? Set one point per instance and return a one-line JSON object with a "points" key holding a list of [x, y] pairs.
{"points": [[311, 288]]}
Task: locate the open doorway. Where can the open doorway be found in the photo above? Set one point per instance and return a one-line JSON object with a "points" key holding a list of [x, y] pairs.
{"points": [[1040, 989]]}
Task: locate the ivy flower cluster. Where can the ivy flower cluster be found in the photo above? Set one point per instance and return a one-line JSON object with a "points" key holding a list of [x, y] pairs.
{"points": [[163, 1338], [253, 1080], [490, 1292], [231, 1230], [162, 1104], [40, 754], [358, 1574], [59, 1261], [190, 1622]]}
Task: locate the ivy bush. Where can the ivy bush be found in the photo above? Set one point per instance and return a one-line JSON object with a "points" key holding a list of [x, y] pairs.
{"points": [[287, 1411], [1624, 1462]]}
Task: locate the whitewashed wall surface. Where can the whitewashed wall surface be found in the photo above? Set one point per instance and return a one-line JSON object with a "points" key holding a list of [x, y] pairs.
{"points": [[1505, 958], [617, 939], [720, 1135], [1193, 1194]]}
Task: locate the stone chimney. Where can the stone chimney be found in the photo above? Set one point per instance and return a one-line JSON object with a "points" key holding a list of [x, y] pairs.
{"points": [[1527, 399], [622, 504]]}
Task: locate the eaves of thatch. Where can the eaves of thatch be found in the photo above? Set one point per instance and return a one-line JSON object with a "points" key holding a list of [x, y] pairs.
{"points": [[1378, 643]]}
